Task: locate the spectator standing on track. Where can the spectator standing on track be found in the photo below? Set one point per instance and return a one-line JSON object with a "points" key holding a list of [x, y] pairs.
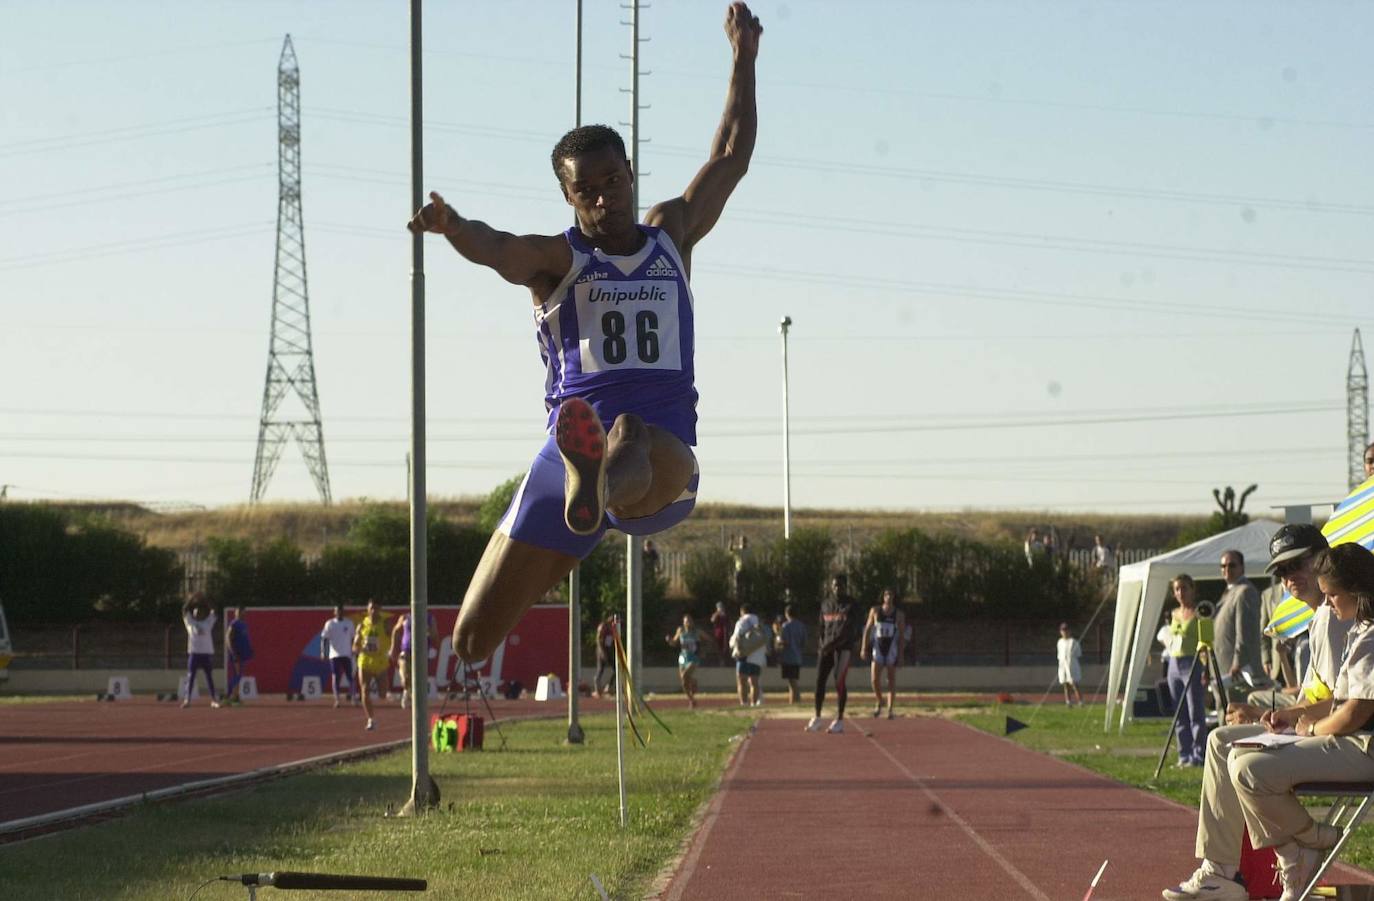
{"points": [[1070, 655], [400, 653], [688, 640], [605, 653], [720, 625], [1238, 625], [840, 628], [337, 637], [749, 646], [372, 646], [790, 642], [199, 618], [882, 644], [239, 651]]}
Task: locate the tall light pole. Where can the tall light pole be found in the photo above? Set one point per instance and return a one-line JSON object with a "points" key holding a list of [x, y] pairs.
{"points": [[786, 450], [424, 794]]}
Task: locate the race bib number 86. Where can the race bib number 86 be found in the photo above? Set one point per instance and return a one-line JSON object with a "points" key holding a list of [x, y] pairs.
{"points": [[628, 325]]}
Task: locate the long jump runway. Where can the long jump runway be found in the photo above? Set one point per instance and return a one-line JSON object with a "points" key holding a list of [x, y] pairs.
{"points": [[921, 807]]}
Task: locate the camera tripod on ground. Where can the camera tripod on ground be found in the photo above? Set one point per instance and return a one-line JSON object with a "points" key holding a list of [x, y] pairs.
{"points": [[1207, 657]]}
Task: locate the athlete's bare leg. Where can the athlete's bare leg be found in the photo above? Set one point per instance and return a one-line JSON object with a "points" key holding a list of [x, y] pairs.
{"points": [[511, 576], [876, 675], [891, 689], [647, 468], [367, 698]]}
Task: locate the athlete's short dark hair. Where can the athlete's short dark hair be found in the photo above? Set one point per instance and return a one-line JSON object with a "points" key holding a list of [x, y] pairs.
{"points": [[585, 139]]}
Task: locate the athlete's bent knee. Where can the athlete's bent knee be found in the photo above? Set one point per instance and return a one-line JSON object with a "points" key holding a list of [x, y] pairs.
{"points": [[470, 644], [627, 427]]}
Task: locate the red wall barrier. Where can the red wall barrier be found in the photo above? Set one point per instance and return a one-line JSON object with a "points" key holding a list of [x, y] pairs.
{"points": [[287, 647]]}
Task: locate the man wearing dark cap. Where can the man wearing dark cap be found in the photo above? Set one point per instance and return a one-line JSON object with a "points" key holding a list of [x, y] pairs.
{"points": [[1292, 551], [1220, 820]]}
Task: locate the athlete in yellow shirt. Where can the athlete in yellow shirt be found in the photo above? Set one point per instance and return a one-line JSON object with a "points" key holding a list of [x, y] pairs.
{"points": [[372, 648]]}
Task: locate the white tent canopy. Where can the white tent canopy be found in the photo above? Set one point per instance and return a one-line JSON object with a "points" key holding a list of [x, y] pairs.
{"points": [[1143, 589]]}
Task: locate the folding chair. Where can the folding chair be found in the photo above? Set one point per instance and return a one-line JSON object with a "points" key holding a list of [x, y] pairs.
{"points": [[1352, 799]]}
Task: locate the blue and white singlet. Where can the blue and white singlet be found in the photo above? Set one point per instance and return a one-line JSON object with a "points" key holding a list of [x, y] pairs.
{"points": [[885, 635], [618, 333]]}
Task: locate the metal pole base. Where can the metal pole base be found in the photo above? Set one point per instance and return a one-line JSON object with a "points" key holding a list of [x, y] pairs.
{"points": [[420, 802], [575, 735]]}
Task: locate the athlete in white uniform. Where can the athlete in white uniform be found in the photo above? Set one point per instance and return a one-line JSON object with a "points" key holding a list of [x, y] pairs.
{"points": [[884, 635], [614, 329]]}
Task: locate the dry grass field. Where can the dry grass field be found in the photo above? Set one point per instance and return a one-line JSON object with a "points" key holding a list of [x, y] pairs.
{"points": [[311, 526]]}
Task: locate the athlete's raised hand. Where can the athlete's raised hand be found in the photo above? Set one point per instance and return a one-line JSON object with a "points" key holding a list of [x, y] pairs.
{"points": [[435, 216], [743, 29]]}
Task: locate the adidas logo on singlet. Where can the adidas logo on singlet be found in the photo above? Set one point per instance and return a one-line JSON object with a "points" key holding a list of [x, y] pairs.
{"points": [[661, 268]]}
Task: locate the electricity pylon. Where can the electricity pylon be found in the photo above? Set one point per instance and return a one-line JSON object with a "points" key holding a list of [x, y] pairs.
{"points": [[290, 355], [1356, 412]]}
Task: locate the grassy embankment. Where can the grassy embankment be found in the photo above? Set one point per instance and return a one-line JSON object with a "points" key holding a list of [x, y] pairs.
{"points": [[311, 526]]}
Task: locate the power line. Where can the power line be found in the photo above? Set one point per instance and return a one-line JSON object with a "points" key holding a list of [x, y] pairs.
{"points": [[905, 173], [132, 57], [132, 132], [83, 198], [1042, 298], [135, 245]]}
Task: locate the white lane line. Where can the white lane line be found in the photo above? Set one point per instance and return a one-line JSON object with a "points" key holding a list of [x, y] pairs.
{"points": [[1021, 878]]}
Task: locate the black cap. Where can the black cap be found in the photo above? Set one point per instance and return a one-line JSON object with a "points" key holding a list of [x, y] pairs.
{"points": [[1294, 540]]}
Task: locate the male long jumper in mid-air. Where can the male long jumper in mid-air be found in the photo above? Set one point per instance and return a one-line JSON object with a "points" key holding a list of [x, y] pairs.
{"points": [[613, 313]]}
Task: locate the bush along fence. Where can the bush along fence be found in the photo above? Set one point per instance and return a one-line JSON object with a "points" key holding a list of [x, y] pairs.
{"points": [[62, 569]]}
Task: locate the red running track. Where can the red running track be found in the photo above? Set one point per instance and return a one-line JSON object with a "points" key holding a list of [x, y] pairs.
{"points": [[922, 807], [57, 756], [62, 755]]}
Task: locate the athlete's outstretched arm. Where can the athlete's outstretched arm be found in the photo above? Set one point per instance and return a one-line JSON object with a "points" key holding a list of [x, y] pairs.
{"points": [[519, 259], [688, 218]]}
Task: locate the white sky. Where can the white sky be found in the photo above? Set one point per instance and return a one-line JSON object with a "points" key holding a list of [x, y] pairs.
{"points": [[988, 221]]}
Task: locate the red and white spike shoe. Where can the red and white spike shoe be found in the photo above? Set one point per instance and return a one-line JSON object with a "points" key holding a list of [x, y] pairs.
{"points": [[582, 442]]}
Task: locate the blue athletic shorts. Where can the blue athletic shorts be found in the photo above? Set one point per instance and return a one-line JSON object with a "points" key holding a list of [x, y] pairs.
{"points": [[535, 515]]}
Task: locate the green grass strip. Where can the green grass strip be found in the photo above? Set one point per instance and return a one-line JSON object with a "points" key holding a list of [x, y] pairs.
{"points": [[531, 822]]}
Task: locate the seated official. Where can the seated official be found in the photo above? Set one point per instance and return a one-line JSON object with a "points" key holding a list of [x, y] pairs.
{"points": [[1336, 746], [1220, 823]]}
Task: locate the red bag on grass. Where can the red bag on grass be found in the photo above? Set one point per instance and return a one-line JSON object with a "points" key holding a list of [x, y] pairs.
{"points": [[1259, 869]]}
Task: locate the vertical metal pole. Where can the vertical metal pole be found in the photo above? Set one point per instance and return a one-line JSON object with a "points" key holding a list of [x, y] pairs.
{"points": [[422, 791], [620, 739], [634, 620], [786, 438], [634, 101], [577, 81], [575, 734], [633, 552]]}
